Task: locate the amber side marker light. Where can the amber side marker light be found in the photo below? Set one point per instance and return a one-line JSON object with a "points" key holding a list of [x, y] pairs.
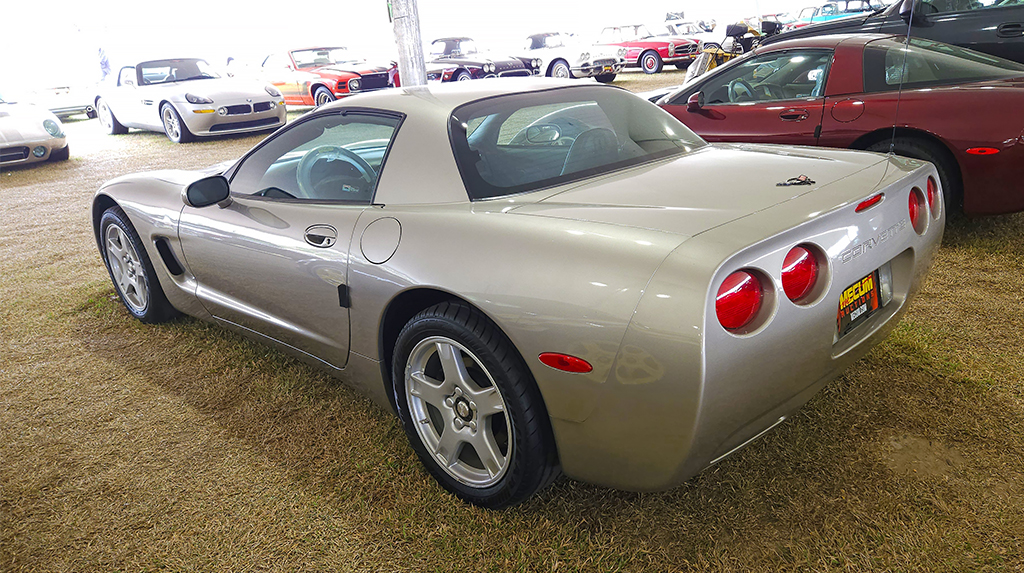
{"points": [[983, 151], [870, 202], [565, 362]]}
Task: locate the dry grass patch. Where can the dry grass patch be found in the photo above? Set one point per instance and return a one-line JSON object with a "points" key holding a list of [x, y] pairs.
{"points": [[183, 447]]}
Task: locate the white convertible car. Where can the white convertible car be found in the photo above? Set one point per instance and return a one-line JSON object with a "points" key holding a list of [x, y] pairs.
{"points": [[30, 134], [185, 98]]}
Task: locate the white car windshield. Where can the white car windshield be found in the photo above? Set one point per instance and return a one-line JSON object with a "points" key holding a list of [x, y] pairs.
{"points": [[317, 57], [166, 71]]}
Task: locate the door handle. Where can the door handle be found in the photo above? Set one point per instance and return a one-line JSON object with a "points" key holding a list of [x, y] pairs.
{"points": [[794, 115], [147, 102], [323, 236], [1010, 30]]}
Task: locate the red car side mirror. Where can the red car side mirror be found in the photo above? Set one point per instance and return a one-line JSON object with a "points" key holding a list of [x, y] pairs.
{"points": [[695, 102]]}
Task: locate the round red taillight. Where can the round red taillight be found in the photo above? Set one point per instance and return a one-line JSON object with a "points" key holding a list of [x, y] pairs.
{"points": [[933, 197], [916, 207], [799, 273], [738, 300]]}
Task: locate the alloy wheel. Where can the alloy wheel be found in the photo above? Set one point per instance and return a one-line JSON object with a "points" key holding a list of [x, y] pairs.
{"points": [[458, 411], [171, 124], [127, 269]]}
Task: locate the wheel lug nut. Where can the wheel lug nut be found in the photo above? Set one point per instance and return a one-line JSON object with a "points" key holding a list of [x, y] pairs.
{"points": [[458, 423]]}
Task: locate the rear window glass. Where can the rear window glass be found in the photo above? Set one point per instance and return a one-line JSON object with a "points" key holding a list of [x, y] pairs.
{"points": [[929, 63], [523, 142]]}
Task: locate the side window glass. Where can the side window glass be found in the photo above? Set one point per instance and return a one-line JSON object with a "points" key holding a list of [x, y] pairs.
{"points": [[331, 158], [771, 77], [945, 6], [888, 64]]}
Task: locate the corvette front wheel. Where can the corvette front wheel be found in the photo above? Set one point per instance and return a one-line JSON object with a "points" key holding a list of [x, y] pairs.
{"points": [[471, 409], [131, 270]]}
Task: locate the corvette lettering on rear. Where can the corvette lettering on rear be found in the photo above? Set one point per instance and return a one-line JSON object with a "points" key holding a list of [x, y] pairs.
{"points": [[861, 248]]}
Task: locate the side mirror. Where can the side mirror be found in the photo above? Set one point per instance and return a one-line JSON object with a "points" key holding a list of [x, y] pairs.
{"points": [[909, 11], [770, 27], [543, 133], [207, 191], [695, 102]]}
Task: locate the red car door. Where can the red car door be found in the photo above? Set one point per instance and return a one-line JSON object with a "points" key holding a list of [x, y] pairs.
{"points": [[776, 97]]}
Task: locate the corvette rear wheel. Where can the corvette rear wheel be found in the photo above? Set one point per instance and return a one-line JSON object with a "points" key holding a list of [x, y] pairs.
{"points": [[650, 62], [174, 127], [107, 119], [471, 409], [463, 76], [322, 96], [131, 270]]}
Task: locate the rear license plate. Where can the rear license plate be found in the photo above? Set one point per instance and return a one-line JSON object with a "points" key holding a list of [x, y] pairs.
{"points": [[607, 69], [858, 302]]}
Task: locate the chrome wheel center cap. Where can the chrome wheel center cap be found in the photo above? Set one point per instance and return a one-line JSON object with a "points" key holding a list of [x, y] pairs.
{"points": [[462, 409]]}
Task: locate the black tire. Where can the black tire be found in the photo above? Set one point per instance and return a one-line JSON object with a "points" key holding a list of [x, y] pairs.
{"points": [[322, 96], [531, 461], [605, 78], [462, 76], [156, 308], [650, 62], [108, 120], [61, 154], [945, 164], [174, 127], [560, 69]]}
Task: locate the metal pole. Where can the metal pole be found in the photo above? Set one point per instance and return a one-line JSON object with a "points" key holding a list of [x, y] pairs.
{"points": [[411, 67]]}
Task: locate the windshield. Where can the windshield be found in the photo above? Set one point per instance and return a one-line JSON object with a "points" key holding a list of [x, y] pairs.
{"points": [[452, 48], [929, 63], [317, 57], [522, 142], [166, 71]]}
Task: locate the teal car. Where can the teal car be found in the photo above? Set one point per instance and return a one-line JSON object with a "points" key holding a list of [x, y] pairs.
{"points": [[833, 11]]}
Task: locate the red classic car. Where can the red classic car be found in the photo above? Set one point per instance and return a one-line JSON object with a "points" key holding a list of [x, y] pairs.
{"points": [[650, 52], [315, 76], [959, 109]]}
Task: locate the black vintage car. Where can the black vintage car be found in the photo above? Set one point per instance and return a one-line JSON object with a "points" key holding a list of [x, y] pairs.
{"points": [[992, 26], [457, 59]]}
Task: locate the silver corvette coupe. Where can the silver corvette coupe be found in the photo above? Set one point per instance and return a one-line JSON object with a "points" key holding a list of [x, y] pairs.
{"points": [[537, 276], [185, 98]]}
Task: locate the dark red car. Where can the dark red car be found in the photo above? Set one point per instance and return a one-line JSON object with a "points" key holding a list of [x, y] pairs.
{"points": [[962, 110], [315, 76]]}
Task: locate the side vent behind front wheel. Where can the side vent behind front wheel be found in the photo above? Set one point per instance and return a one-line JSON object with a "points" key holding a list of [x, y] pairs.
{"points": [[164, 248]]}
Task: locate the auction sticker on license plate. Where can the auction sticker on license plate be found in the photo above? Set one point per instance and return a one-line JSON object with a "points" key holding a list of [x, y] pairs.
{"points": [[857, 303]]}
